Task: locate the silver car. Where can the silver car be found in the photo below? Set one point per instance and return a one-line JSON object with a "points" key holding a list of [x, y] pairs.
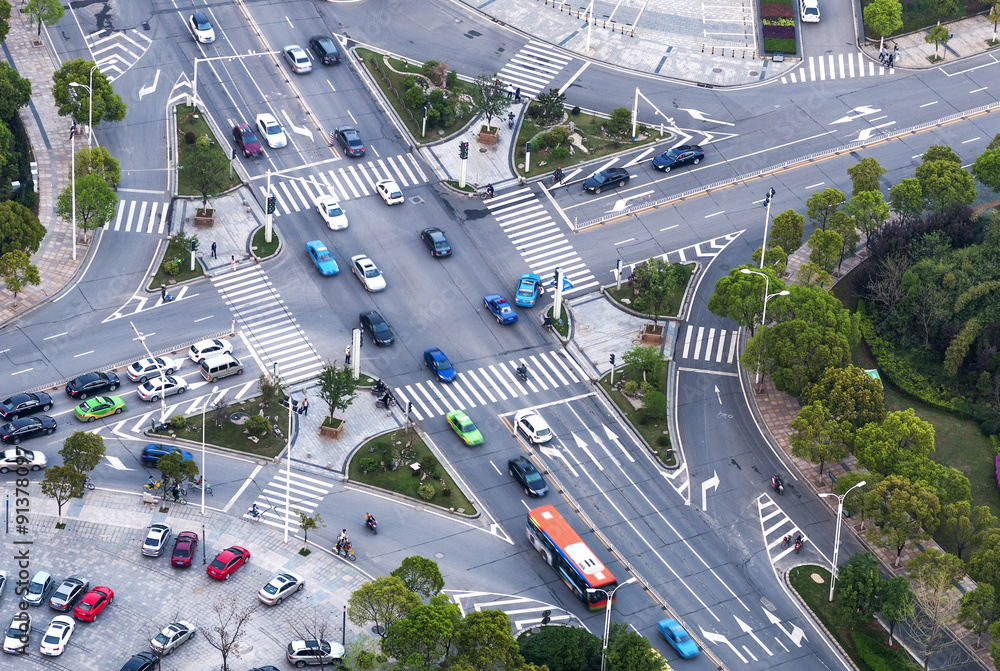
{"points": [[145, 369], [156, 540], [172, 636], [38, 588], [156, 387], [66, 595], [281, 586], [298, 59]]}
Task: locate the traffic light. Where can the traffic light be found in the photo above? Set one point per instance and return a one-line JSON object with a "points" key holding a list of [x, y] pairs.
{"points": [[463, 150], [194, 244], [527, 147], [409, 407], [270, 204], [612, 359]]}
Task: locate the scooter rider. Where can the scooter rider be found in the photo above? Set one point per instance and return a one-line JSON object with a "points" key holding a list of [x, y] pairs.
{"points": [[522, 370], [558, 176], [342, 540], [369, 520]]}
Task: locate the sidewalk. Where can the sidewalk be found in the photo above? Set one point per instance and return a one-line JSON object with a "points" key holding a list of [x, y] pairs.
{"points": [[968, 38]]}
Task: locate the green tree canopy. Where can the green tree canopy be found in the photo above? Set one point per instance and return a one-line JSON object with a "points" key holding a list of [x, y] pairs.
{"points": [[647, 359], [817, 436], [859, 588], [938, 35], [96, 203], [795, 353], [62, 483], [884, 17], [984, 564], [655, 279], [562, 648], [420, 575], [869, 210], [900, 512], [631, 651], [176, 470], [15, 92], [825, 247], [98, 161], [4, 19], [485, 642], [865, 175], [739, 297], [854, 501], [943, 183], [207, 169], [950, 484], [74, 101], [978, 610], [44, 11], [848, 394], [381, 601], [987, 168], [489, 96], [898, 602], [775, 260], [83, 451], [902, 436], [823, 204], [965, 525], [336, 388], [906, 198], [941, 152], [786, 231], [421, 639], [817, 307], [18, 272], [20, 229]]}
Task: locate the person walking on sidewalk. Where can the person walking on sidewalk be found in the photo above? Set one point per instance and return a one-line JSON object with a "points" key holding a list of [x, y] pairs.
{"points": [[347, 355], [517, 95], [895, 54], [213, 251], [304, 407], [882, 54], [232, 263], [510, 91]]}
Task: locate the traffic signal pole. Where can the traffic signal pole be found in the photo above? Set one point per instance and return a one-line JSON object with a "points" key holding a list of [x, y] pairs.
{"points": [[463, 153], [268, 209]]}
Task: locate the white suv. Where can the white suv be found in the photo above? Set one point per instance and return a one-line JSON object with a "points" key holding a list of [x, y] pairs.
{"points": [[531, 424], [809, 11]]}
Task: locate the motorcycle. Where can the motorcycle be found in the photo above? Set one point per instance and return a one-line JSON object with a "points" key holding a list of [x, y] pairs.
{"points": [[378, 388], [798, 544], [777, 485], [372, 524], [786, 541], [382, 403], [522, 372], [345, 550]]}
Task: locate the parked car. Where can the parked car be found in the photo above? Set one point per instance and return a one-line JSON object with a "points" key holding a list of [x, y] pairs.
{"points": [[311, 652], [350, 140], [435, 241], [297, 59], [280, 587], [184, 548], [322, 258], [18, 634], [157, 387], [438, 362], [57, 636], [331, 211], [531, 481], [142, 661], [367, 272], [172, 636], [15, 458], [227, 561], [98, 407], [92, 383], [531, 424], [156, 539], [247, 141], [686, 153], [464, 427], [606, 178], [325, 49], [809, 11], [204, 349], [201, 28], [14, 432], [151, 367], [376, 327], [20, 405], [93, 604], [39, 587], [68, 593]]}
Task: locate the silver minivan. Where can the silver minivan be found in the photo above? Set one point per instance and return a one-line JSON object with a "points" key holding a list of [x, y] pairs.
{"points": [[220, 366]]}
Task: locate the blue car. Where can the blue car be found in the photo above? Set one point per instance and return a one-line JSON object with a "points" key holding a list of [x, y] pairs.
{"points": [[500, 308], [438, 362], [678, 638], [529, 288], [153, 451], [322, 258]]}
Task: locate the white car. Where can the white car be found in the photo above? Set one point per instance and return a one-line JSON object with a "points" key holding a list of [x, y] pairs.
{"points": [[809, 11], [15, 458], [207, 348], [366, 271], [3, 581], [201, 28], [146, 368], [332, 213], [281, 586], [16, 640], [270, 130], [156, 540], [390, 191], [57, 635], [172, 636], [531, 424], [297, 59], [156, 388]]}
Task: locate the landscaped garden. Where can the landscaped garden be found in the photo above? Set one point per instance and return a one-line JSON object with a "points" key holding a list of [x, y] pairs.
{"points": [[176, 264], [778, 19], [201, 166]]}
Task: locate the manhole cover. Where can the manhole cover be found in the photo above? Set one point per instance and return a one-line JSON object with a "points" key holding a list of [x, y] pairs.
{"points": [[716, 70], [239, 418], [754, 73]]}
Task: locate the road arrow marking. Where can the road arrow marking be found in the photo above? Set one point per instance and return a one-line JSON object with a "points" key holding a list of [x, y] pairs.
{"points": [[298, 129], [718, 395], [867, 132], [864, 110], [604, 447], [146, 90], [553, 453], [711, 483], [701, 117], [641, 157], [796, 635], [614, 439], [719, 638], [117, 464], [622, 203], [747, 630], [583, 446]]}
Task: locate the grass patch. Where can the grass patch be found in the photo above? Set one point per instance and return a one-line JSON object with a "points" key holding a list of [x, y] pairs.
{"points": [[655, 433], [561, 325], [179, 253], [454, 184], [379, 454], [231, 435], [189, 121], [626, 295], [264, 249]]}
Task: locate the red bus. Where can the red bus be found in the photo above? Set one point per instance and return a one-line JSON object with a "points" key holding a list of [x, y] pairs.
{"points": [[575, 563]]}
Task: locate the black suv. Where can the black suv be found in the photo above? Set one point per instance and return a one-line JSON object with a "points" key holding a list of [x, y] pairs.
{"points": [[522, 470], [351, 141], [376, 328], [20, 405], [325, 49], [90, 384]]}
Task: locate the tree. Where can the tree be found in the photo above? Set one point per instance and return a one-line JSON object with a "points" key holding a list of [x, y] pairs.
{"points": [[906, 198], [822, 205], [786, 230], [15, 92], [83, 451], [994, 17], [984, 564], [941, 152], [98, 161], [4, 19], [813, 276], [869, 210], [306, 523], [74, 101], [44, 11], [937, 36], [489, 96], [207, 169], [933, 573], [485, 642], [775, 260], [63, 483], [978, 609], [655, 279], [795, 353], [901, 512], [551, 104], [562, 648], [271, 388], [944, 8], [865, 175], [846, 225], [420, 575], [649, 360], [336, 388], [175, 470], [654, 406], [382, 601], [816, 307], [739, 297], [96, 203], [950, 484], [20, 230], [898, 602], [965, 525], [424, 637], [825, 248], [987, 168], [884, 17], [817, 436], [619, 122], [631, 651], [859, 588], [232, 617], [17, 270], [901, 437], [848, 395]]}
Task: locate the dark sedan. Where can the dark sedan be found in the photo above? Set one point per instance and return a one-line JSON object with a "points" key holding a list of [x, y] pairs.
{"points": [[686, 153], [20, 405], [350, 140], [90, 384], [606, 178], [325, 49], [436, 243], [531, 481], [247, 141], [26, 427], [377, 329]]}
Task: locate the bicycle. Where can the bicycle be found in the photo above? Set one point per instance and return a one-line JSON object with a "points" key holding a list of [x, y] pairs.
{"points": [[208, 488], [153, 487], [171, 499], [87, 484], [255, 517]]}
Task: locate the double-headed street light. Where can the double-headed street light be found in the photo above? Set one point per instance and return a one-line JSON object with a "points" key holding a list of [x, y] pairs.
{"points": [[836, 542], [607, 613], [767, 297], [90, 96]]}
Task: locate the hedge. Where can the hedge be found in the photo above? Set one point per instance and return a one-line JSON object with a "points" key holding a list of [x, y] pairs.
{"points": [[877, 656], [772, 44], [779, 33]]}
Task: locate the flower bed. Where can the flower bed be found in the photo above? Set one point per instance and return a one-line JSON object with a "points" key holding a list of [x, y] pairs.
{"points": [[775, 10], [998, 470], [777, 17]]}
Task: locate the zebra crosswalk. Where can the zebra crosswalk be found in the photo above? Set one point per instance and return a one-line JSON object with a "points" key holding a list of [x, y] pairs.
{"points": [[491, 383], [304, 492], [135, 216], [533, 67], [709, 344], [836, 66], [538, 238], [115, 51], [523, 612], [354, 180], [272, 332], [775, 526]]}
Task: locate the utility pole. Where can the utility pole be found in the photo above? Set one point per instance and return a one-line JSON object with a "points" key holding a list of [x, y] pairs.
{"points": [[767, 224]]}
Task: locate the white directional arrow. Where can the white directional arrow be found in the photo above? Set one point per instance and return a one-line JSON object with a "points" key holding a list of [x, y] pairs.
{"points": [[711, 483], [701, 117], [298, 129], [796, 635], [583, 446], [553, 453], [746, 629], [641, 157], [719, 638], [867, 132], [718, 395], [613, 437], [146, 90], [604, 447], [622, 203], [117, 464], [864, 110]]}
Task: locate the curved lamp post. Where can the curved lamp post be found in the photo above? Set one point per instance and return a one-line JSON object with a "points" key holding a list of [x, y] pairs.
{"points": [[607, 613], [840, 519], [90, 100], [767, 297]]}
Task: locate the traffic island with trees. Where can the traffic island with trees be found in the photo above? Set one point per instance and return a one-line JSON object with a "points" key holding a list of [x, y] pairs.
{"points": [[204, 164]]}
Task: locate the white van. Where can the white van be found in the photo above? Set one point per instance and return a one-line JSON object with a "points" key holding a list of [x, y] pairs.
{"points": [[809, 11], [220, 366]]}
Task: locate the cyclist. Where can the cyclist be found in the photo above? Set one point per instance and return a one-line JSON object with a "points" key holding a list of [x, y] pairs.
{"points": [[489, 191]]}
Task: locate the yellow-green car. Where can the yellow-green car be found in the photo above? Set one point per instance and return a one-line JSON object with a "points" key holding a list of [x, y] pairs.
{"points": [[464, 427], [99, 406]]}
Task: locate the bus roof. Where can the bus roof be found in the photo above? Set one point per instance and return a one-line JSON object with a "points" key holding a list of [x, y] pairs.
{"points": [[553, 525]]}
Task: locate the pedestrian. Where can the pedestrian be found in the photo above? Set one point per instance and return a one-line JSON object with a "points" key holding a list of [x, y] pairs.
{"points": [[163, 292], [888, 61], [882, 54], [347, 355], [510, 91], [304, 407], [517, 95], [895, 53], [213, 251], [232, 263]]}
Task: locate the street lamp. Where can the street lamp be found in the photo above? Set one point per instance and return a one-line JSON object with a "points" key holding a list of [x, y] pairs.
{"points": [[836, 542], [767, 297], [607, 613], [90, 99], [204, 480]]}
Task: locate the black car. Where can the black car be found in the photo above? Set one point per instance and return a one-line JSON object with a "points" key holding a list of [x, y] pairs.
{"points": [[350, 140], [71, 589], [607, 177], [325, 49], [91, 384], [26, 427], [436, 243], [142, 661], [376, 328], [686, 153], [20, 405], [532, 482]]}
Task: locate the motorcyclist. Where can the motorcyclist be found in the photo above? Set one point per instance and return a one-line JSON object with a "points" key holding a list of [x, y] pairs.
{"points": [[369, 520], [385, 400], [776, 483], [489, 191], [522, 370], [558, 174], [342, 540]]}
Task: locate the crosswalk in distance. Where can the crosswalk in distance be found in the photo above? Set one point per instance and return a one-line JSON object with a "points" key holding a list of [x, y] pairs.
{"points": [[700, 343], [305, 492], [267, 325], [490, 384], [541, 242], [533, 67], [836, 66], [523, 613], [116, 51], [775, 525], [356, 179], [140, 216]]}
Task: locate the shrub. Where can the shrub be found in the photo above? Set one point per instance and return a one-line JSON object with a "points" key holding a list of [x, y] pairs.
{"points": [[178, 422], [451, 79], [560, 152], [575, 111], [368, 464], [445, 489], [427, 492], [258, 425], [654, 405], [190, 137], [646, 387], [631, 388], [663, 440], [171, 268], [414, 98], [773, 10], [772, 44], [876, 656], [409, 81], [558, 136], [780, 32]]}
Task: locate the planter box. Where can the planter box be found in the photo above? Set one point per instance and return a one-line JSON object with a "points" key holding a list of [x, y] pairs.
{"points": [[651, 334], [327, 431], [489, 134], [204, 218]]}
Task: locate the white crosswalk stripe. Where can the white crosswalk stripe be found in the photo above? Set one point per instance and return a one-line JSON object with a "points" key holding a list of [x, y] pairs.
{"points": [[539, 239], [533, 67], [709, 344], [305, 493], [115, 52], [836, 66], [355, 180], [470, 389], [776, 525], [523, 613], [136, 216], [268, 327]]}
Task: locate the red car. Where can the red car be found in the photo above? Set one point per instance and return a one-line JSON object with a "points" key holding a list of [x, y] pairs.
{"points": [[227, 561], [248, 143], [184, 547], [91, 605]]}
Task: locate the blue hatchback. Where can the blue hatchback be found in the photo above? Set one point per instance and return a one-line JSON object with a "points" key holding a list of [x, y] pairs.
{"points": [[678, 638], [438, 362], [528, 289], [152, 452]]}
